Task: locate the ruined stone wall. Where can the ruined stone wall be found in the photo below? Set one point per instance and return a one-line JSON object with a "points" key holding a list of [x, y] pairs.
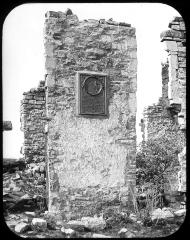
{"points": [[33, 126], [155, 116], [171, 107], [165, 80], [175, 44], [173, 77], [90, 159]]}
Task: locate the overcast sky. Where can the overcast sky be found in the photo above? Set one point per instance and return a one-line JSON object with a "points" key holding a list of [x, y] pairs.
{"points": [[24, 61]]}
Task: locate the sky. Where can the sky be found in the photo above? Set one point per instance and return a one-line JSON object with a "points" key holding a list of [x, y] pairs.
{"points": [[24, 54]]}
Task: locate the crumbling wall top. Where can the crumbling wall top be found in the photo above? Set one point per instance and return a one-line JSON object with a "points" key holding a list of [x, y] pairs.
{"points": [[176, 31], [68, 14]]}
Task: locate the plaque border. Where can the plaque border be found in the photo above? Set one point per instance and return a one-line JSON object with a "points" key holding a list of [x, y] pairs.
{"points": [[78, 93]]}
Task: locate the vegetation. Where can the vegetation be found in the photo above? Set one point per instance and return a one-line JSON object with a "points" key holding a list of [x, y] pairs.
{"points": [[159, 154]]}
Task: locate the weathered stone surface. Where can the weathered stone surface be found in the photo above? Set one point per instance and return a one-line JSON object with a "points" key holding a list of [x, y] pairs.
{"points": [[52, 14], [21, 227], [181, 212], [122, 232], [94, 223], [68, 231], [176, 49], [173, 92], [91, 151], [68, 12], [176, 89], [30, 214], [130, 235], [182, 172], [39, 224], [125, 233], [33, 125], [26, 196], [76, 225], [50, 63], [171, 45], [124, 24], [97, 235], [161, 214], [172, 34]]}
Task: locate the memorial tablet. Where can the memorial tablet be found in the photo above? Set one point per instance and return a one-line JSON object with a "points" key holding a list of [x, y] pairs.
{"points": [[92, 94]]}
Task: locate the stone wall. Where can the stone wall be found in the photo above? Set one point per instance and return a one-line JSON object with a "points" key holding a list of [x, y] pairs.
{"points": [[33, 119], [165, 80], [157, 115], [91, 160], [175, 44], [171, 107], [173, 78], [154, 117]]}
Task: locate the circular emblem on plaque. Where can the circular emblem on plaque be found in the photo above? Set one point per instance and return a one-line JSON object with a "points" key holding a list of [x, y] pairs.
{"points": [[93, 85]]}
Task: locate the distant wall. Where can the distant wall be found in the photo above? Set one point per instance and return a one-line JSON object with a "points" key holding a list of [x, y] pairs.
{"points": [[175, 44], [171, 107], [33, 126], [174, 41]]}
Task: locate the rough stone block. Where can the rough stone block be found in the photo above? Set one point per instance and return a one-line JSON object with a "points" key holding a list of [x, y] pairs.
{"points": [[171, 45], [39, 224], [182, 26], [182, 49], [72, 20], [61, 53], [171, 34], [49, 49], [51, 14], [176, 27], [94, 223], [21, 227], [50, 63]]}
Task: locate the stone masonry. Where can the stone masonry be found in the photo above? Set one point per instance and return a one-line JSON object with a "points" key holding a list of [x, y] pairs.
{"points": [[157, 115], [175, 44], [33, 121], [91, 159], [171, 107], [33, 124]]}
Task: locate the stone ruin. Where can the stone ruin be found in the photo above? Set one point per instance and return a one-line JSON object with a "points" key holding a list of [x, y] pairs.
{"points": [[171, 107], [80, 122]]}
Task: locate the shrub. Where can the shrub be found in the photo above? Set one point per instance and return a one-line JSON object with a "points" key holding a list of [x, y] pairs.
{"points": [[158, 154]]}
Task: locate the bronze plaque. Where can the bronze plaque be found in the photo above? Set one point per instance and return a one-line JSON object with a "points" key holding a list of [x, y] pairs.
{"points": [[92, 94]]}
